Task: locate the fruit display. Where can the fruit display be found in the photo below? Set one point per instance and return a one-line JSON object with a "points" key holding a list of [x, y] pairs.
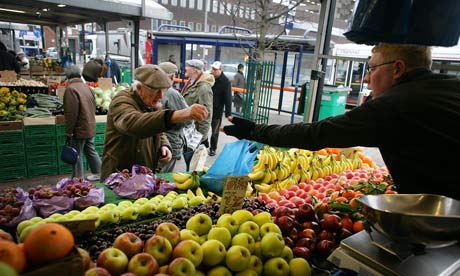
{"points": [[185, 181], [240, 243], [23, 82], [15, 206], [278, 170], [12, 104], [104, 97]]}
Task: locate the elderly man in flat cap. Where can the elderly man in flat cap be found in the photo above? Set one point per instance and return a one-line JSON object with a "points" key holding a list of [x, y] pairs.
{"points": [[136, 123]]}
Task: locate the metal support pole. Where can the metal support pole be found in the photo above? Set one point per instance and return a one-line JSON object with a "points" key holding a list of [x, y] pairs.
{"points": [[83, 44], [296, 87], [106, 31], [135, 47], [326, 19], [283, 80], [43, 37]]}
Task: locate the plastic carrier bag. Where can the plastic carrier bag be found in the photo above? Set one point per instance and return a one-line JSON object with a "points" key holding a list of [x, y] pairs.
{"points": [[236, 159], [420, 22]]}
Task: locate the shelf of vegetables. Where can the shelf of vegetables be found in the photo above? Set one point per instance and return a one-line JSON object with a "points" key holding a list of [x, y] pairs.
{"points": [[295, 213]]}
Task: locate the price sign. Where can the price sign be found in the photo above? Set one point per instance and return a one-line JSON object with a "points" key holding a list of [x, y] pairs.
{"points": [[104, 83], [8, 76], [348, 152], [234, 193]]}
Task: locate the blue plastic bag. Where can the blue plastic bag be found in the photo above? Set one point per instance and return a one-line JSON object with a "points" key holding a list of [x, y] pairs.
{"points": [[236, 159]]}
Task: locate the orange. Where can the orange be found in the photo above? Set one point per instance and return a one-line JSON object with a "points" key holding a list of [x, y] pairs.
{"points": [[48, 242], [358, 226], [11, 254]]}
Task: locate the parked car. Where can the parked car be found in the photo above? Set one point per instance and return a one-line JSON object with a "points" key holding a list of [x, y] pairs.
{"points": [[52, 52], [230, 70]]}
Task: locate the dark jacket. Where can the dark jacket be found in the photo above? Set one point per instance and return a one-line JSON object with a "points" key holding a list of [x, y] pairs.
{"points": [[134, 134], [79, 110], [415, 124], [222, 96], [173, 100], [8, 62]]}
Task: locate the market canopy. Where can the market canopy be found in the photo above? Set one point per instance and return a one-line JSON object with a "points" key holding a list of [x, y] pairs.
{"points": [[71, 12]]}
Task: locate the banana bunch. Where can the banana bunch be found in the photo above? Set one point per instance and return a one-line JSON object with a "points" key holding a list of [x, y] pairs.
{"points": [[198, 197], [185, 181]]}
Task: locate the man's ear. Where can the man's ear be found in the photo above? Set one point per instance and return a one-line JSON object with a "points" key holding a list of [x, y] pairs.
{"points": [[400, 68]]}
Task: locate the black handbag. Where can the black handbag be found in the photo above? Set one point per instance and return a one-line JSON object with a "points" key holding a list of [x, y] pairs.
{"points": [[69, 154]]}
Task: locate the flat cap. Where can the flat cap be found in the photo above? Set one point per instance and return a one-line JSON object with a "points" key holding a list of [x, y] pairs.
{"points": [[217, 65], [198, 64], [168, 67], [152, 76]]}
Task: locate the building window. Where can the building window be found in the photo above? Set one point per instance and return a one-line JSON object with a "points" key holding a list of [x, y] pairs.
{"points": [[222, 8], [198, 27], [213, 28], [191, 4], [174, 2], [247, 13], [229, 9], [235, 10], [182, 23], [253, 14], [241, 12], [215, 6], [183, 3], [174, 22], [164, 22], [164, 2], [190, 25], [199, 5], [208, 5]]}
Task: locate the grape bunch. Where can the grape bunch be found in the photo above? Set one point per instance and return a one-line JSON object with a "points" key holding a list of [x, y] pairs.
{"points": [[142, 170], [10, 205], [70, 190], [77, 190], [42, 192]]}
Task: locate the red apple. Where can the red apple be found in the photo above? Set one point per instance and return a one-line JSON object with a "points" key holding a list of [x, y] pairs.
{"points": [[302, 252], [324, 247], [282, 211], [325, 235], [294, 234], [114, 260], [128, 274], [332, 223], [97, 271], [307, 233], [293, 188], [302, 185], [286, 224], [129, 243], [170, 231], [305, 212], [289, 194], [85, 258], [347, 223], [343, 234], [143, 264], [328, 178], [311, 225], [297, 201], [288, 242], [306, 242]]}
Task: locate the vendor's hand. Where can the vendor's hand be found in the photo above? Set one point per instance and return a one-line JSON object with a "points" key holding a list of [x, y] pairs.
{"points": [[241, 128], [166, 154]]}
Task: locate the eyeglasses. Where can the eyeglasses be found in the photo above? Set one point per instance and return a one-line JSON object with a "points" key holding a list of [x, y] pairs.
{"points": [[370, 69]]}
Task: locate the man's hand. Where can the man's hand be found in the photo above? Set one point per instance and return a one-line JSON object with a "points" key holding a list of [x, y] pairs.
{"points": [[241, 128], [195, 112], [166, 154]]}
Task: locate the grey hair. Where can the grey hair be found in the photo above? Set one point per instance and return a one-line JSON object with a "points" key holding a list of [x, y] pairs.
{"points": [[73, 71]]}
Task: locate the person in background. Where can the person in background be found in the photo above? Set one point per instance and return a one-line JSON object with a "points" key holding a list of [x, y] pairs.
{"points": [[222, 97], [93, 70], [205, 64], [413, 111], [80, 122], [173, 100], [136, 123], [23, 60], [198, 90], [7, 61], [172, 59], [113, 70], [238, 82]]}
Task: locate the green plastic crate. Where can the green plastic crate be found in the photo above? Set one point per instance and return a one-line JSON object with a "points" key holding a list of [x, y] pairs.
{"points": [[35, 142], [17, 158], [11, 137], [60, 130], [49, 160], [100, 127], [11, 149], [41, 151], [40, 131], [60, 140], [13, 174], [41, 170], [100, 150], [99, 139], [65, 169]]}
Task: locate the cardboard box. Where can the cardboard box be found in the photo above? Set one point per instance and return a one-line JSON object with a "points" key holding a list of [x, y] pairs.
{"points": [[11, 125], [60, 92], [39, 121], [101, 118], [71, 265], [60, 119], [36, 68]]}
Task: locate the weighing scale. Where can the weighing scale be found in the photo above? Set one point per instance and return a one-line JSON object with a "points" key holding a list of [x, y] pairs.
{"points": [[377, 255]]}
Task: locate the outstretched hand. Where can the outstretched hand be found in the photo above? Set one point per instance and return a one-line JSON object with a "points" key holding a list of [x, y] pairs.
{"points": [[241, 128]]}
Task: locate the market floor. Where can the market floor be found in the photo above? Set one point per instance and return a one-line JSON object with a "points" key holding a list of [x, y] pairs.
{"points": [[374, 153]]}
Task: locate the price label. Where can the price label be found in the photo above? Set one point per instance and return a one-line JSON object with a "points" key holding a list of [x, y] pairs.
{"points": [[234, 193], [104, 83], [348, 152], [8, 76]]}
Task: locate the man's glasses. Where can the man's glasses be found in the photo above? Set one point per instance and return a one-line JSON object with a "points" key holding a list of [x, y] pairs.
{"points": [[370, 69]]}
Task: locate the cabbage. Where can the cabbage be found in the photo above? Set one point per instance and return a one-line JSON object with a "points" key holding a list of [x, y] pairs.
{"points": [[106, 105], [99, 101], [98, 91]]}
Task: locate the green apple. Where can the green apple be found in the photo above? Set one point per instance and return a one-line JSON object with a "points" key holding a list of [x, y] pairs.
{"points": [[141, 201], [164, 207], [276, 267], [186, 234], [7, 270], [108, 206], [219, 271], [155, 200], [200, 223], [181, 267], [255, 263], [129, 212], [37, 219], [229, 222], [237, 258], [57, 215], [23, 224], [272, 245], [189, 249], [287, 254], [160, 248], [213, 252], [250, 228], [28, 229], [244, 239], [262, 218], [125, 203], [146, 209], [221, 234], [247, 272], [143, 264], [198, 200], [179, 203], [258, 249], [299, 267], [170, 231], [203, 239], [242, 216], [89, 210], [199, 273], [114, 260], [72, 214], [269, 227], [97, 271], [172, 194], [109, 216]]}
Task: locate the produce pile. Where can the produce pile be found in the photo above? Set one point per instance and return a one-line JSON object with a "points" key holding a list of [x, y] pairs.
{"points": [[23, 82], [12, 104], [104, 97]]}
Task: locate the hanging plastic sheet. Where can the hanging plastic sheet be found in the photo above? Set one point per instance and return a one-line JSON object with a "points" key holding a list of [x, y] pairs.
{"points": [[422, 22]]}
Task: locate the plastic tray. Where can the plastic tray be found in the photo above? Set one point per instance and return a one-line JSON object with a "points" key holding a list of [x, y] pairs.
{"points": [[11, 137], [100, 128], [99, 139], [40, 131], [13, 174], [40, 142], [41, 170]]}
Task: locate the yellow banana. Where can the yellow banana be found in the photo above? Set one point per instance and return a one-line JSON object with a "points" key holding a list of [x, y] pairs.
{"points": [[268, 176], [257, 175], [190, 194], [199, 192], [305, 176], [261, 164], [180, 177], [185, 185], [263, 187]]}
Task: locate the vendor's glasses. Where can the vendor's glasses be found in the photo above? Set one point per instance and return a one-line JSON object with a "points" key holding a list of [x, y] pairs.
{"points": [[370, 69]]}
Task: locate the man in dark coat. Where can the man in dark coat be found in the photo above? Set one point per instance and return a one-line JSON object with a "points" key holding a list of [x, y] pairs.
{"points": [[7, 61]]}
